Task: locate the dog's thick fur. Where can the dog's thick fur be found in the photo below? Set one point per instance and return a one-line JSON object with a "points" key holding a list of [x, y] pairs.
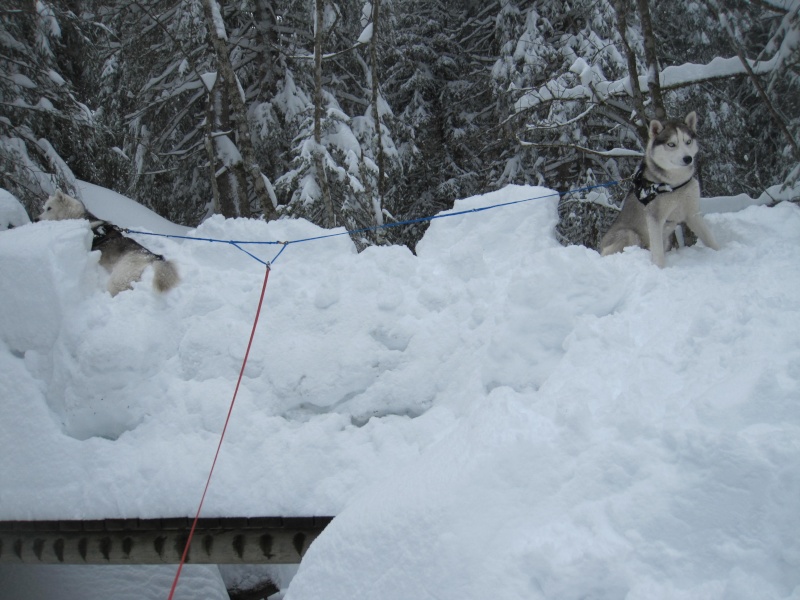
{"points": [[669, 165], [123, 258]]}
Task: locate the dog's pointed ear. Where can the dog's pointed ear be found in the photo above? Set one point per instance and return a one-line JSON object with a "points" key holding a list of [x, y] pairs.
{"points": [[691, 121], [59, 195], [655, 128]]}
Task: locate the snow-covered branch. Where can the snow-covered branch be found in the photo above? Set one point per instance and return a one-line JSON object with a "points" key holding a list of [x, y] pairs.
{"points": [[670, 78], [613, 153]]}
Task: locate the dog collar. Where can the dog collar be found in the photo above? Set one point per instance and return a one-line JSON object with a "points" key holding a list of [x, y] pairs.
{"points": [[646, 191]]}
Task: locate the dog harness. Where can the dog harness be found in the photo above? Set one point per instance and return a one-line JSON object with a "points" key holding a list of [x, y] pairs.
{"points": [[646, 191], [102, 232]]}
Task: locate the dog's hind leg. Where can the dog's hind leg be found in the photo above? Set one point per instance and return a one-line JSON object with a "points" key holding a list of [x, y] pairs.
{"points": [[698, 224], [617, 240], [118, 282], [165, 275], [125, 272]]}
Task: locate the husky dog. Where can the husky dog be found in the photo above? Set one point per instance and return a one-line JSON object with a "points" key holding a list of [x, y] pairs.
{"points": [[665, 193], [122, 257]]}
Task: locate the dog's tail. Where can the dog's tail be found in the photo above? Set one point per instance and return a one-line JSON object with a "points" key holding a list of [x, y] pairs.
{"points": [[165, 276]]}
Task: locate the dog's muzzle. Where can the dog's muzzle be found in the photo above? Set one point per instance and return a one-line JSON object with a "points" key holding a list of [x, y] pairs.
{"points": [[687, 160]]}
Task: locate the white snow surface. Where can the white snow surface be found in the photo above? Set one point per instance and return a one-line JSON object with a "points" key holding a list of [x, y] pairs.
{"points": [[495, 417], [121, 210]]}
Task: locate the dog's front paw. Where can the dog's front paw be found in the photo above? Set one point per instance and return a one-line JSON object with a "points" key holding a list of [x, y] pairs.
{"points": [[658, 259]]}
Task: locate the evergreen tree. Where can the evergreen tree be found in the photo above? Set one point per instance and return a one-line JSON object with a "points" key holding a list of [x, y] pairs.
{"points": [[368, 112], [48, 136]]}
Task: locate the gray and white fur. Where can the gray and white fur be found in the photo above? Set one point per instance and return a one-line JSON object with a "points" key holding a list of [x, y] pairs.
{"points": [[123, 258], [666, 194]]}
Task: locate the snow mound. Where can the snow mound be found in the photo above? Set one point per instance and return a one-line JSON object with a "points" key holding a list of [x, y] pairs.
{"points": [[659, 458]]}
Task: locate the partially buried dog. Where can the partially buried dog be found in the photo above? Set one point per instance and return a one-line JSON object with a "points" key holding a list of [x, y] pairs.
{"points": [[665, 193], [122, 257]]}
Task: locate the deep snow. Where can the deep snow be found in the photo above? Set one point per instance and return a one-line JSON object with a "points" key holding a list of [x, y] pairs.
{"points": [[496, 417]]}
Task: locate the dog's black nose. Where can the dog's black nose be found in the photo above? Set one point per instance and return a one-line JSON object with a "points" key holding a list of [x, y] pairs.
{"points": [[687, 160]]}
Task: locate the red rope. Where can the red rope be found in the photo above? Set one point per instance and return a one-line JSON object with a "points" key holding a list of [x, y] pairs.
{"points": [[221, 437]]}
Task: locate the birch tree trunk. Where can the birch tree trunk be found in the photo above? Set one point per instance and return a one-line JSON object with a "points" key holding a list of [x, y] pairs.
{"points": [[216, 31], [230, 179]]}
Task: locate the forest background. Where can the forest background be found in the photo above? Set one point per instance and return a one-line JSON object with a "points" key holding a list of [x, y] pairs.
{"points": [[361, 114]]}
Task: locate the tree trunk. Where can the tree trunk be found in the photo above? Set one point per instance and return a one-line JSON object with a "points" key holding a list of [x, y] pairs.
{"points": [[237, 107], [381, 156], [267, 38], [208, 142], [231, 179], [622, 8], [651, 58], [322, 178]]}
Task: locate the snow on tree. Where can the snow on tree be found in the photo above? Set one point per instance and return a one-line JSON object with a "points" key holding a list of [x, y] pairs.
{"points": [[604, 83], [370, 112], [44, 126]]}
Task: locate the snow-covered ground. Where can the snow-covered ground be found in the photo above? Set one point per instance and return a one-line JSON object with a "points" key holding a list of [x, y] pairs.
{"points": [[496, 417]]}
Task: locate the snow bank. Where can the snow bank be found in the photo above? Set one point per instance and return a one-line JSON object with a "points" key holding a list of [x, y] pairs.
{"points": [[659, 458], [41, 281], [497, 416]]}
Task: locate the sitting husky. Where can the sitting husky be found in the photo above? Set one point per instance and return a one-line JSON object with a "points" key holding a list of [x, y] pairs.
{"points": [[122, 257], [665, 193]]}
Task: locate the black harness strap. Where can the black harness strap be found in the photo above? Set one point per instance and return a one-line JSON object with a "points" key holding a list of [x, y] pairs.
{"points": [[102, 232], [646, 191]]}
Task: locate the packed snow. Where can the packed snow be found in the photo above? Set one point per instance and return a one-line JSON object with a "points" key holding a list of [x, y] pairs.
{"points": [[496, 416]]}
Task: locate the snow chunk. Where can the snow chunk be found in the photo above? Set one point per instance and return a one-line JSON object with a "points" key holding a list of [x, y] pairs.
{"points": [[55, 78], [219, 23], [209, 80], [50, 261], [226, 150], [366, 35], [22, 81], [12, 213]]}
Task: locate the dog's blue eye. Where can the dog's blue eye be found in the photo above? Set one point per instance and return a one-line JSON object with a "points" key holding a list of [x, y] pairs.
{"points": [[671, 144]]}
